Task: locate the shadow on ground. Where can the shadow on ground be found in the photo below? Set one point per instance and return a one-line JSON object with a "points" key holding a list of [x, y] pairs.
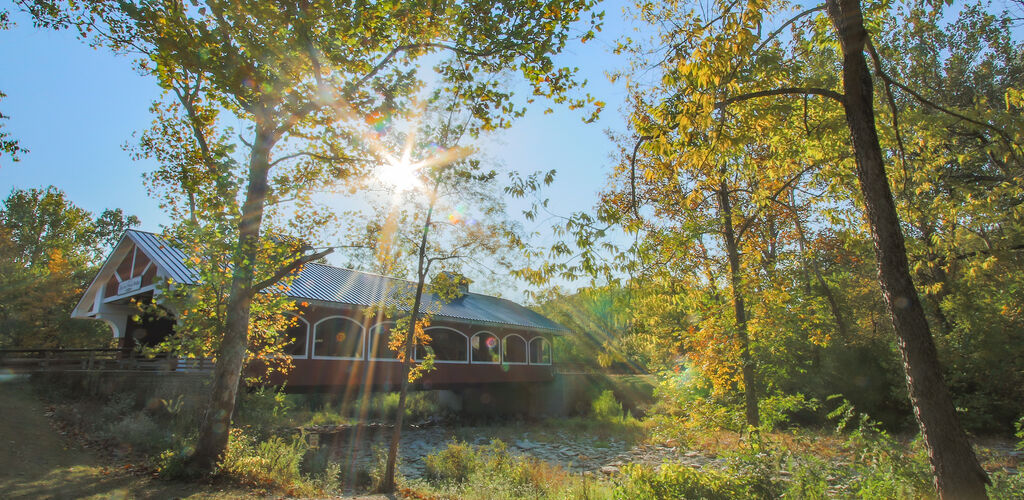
{"points": [[36, 462]]}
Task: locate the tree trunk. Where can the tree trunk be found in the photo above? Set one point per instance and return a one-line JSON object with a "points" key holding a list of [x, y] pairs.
{"points": [[213, 430], [753, 415], [388, 484], [957, 472]]}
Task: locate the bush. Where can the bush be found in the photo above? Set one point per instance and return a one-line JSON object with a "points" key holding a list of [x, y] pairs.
{"points": [[883, 469], [173, 464], [639, 482], [274, 462], [1020, 433], [492, 472], [454, 463], [140, 431], [1006, 486], [607, 408], [117, 407], [263, 408]]}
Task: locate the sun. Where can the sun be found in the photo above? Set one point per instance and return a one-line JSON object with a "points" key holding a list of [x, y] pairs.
{"points": [[400, 173]]}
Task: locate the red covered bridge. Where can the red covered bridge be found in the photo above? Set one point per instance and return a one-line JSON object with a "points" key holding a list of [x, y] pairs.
{"points": [[338, 343]]}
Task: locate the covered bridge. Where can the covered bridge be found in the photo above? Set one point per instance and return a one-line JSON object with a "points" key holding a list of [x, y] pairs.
{"points": [[338, 342]]}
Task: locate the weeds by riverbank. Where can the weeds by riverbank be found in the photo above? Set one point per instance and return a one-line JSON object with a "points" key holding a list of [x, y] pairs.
{"points": [[607, 453]]}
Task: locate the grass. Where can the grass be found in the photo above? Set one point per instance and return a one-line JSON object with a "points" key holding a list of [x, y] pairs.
{"points": [[492, 472], [40, 463], [266, 455]]}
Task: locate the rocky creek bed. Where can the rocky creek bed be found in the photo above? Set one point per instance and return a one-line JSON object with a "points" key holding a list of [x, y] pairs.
{"points": [[578, 454], [581, 454]]}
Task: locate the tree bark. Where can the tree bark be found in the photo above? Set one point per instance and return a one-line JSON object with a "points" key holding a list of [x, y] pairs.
{"points": [[957, 472], [752, 413], [388, 484], [227, 372]]}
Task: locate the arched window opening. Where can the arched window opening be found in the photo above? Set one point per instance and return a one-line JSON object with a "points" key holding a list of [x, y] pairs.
{"points": [[540, 351], [338, 337], [485, 349], [514, 348], [296, 334], [446, 344], [379, 337]]}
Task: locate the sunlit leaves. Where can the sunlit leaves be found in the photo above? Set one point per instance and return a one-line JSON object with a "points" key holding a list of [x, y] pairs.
{"points": [[49, 250]]}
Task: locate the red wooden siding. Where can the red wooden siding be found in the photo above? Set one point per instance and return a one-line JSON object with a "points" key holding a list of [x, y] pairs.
{"points": [[125, 270], [315, 370]]}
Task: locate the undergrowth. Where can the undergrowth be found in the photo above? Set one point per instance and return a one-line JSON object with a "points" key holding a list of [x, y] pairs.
{"points": [[492, 472]]}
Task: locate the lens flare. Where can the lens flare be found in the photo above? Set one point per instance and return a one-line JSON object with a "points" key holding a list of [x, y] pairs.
{"points": [[400, 173], [380, 122]]}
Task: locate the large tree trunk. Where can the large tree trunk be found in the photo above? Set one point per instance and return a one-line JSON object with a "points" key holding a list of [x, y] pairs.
{"points": [[753, 414], [957, 472], [213, 431], [388, 484]]}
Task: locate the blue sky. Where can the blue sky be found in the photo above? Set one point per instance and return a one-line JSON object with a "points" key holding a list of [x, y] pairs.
{"points": [[75, 107]]}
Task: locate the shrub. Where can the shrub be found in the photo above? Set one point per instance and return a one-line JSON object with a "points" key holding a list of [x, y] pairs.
{"points": [[263, 408], [809, 478], [639, 482], [117, 407], [1006, 486], [173, 464], [376, 472], [776, 409], [454, 463], [273, 462], [1020, 433], [492, 472], [139, 431], [607, 408], [883, 469]]}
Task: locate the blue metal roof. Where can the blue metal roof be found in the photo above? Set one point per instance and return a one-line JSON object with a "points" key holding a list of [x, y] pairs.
{"points": [[324, 283]]}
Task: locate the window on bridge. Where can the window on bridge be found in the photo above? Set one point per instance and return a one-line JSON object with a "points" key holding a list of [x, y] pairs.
{"points": [[446, 344], [297, 332], [540, 351], [379, 335], [485, 348], [515, 349], [338, 337]]}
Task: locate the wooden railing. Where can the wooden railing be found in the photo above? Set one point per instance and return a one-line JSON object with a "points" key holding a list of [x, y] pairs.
{"points": [[42, 360]]}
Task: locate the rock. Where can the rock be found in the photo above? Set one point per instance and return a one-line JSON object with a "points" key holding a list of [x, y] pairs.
{"points": [[609, 470], [526, 445]]}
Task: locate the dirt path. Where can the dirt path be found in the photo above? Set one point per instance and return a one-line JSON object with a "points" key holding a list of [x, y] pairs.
{"points": [[36, 462]]}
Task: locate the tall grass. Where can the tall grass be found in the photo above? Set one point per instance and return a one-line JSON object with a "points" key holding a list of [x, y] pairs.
{"points": [[492, 472]]}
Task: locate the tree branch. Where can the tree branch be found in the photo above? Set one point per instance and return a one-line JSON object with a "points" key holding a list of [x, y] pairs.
{"points": [[892, 109], [750, 220], [785, 24], [938, 107], [414, 46], [288, 269], [831, 94], [318, 156]]}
